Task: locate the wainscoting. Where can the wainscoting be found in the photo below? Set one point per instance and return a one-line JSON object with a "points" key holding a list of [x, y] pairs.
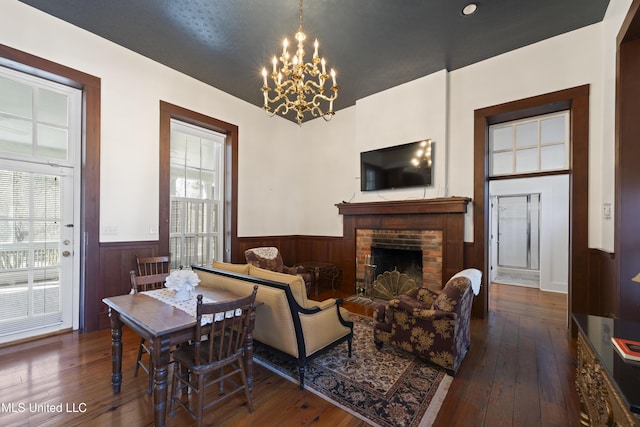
{"points": [[117, 259]]}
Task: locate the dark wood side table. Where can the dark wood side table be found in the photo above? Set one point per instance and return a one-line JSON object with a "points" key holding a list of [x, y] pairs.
{"points": [[607, 384], [318, 268]]}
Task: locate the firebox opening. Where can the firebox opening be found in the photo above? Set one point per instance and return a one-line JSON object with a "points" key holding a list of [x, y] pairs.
{"points": [[406, 260]]}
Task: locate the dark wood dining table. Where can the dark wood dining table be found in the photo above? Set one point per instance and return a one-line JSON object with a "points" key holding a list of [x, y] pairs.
{"points": [[163, 326]]}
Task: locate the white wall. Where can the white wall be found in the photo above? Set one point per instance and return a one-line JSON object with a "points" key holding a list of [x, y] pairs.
{"points": [[565, 61], [132, 87], [554, 224], [291, 177], [441, 106]]}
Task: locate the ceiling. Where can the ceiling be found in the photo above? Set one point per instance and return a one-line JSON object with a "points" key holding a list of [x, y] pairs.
{"points": [[372, 44]]}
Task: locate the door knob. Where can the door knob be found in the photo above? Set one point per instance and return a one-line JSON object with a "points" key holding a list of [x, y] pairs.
{"points": [[66, 253]]}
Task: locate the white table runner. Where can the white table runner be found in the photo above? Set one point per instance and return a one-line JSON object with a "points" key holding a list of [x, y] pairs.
{"points": [[188, 306]]}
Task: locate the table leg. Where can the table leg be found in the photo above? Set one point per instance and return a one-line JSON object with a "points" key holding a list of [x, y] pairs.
{"points": [[160, 349], [316, 278], [116, 350]]}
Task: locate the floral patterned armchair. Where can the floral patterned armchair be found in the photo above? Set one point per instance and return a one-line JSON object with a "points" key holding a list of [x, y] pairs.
{"points": [[269, 258], [432, 325]]}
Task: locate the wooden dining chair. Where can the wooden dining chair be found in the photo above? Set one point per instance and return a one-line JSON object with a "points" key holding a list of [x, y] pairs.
{"points": [[215, 358], [151, 274]]}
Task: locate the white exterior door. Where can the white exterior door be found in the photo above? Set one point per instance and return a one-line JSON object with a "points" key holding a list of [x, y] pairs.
{"points": [[39, 205], [37, 247]]}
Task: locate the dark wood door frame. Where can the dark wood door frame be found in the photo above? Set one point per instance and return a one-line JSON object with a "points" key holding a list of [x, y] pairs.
{"points": [[576, 100], [626, 293], [89, 170]]}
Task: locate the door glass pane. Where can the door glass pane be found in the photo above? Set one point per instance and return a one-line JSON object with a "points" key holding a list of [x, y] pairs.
{"points": [[501, 138], [30, 219], [52, 108], [52, 142], [16, 98], [527, 160], [502, 163], [552, 130], [527, 135], [552, 157], [16, 136], [534, 226]]}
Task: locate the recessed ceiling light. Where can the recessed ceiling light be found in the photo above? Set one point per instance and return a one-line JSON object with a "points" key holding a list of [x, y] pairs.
{"points": [[469, 9]]}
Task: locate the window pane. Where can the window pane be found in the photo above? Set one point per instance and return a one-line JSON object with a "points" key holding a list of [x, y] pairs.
{"points": [[178, 149], [177, 181], [208, 183], [502, 163], [52, 107], [193, 152], [552, 157], [552, 130], [175, 224], [175, 249], [195, 181], [209, 158], [16, 98], [527, 160], [527, 134], [193, 187], [52, 142], [501, 138], [213, 209]]}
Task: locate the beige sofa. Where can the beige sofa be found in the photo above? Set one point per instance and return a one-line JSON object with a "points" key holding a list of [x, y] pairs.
{"points": [[286, 321]]}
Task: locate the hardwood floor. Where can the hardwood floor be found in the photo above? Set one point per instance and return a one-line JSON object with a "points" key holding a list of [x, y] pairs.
{"points": [[519, 371]]}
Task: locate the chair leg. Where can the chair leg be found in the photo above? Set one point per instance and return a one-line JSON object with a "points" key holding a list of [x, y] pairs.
{"points": [[246, 386], [200, 400], [139, 359]]}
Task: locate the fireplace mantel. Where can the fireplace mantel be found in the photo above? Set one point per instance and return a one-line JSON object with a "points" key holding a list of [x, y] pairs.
{"points": [[422, 206], [443, 214]]}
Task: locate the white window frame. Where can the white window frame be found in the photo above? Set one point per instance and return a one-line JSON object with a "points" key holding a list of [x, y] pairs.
{"points": [[538, 145], [215, 230]]}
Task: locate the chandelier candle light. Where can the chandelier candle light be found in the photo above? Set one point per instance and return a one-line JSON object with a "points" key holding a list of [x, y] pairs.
{"points": [[299, 85], [182, 282]]}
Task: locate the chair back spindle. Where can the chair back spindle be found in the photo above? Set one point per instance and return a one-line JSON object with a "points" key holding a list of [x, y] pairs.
{"points": [[230, 324]]}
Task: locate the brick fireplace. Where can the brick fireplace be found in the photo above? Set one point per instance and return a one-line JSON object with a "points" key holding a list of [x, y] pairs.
{"points": [[433, 226], [426, 244]]}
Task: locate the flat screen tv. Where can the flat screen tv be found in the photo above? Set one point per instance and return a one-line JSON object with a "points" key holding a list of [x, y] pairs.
{"points": [[400, 166]]}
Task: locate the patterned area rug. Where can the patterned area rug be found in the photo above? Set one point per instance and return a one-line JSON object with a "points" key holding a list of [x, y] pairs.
{"points": [[386, 387]]}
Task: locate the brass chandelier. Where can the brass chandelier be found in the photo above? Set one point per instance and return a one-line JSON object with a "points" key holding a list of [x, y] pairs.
{"points": [[297, 85]]}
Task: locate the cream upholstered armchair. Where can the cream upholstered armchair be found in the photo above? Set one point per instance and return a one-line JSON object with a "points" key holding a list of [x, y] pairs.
{"points": [[269, 258], [432, 325]]}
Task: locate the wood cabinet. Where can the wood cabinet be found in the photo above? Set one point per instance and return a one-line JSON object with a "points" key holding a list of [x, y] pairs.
{"points": [[604, 381]]}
